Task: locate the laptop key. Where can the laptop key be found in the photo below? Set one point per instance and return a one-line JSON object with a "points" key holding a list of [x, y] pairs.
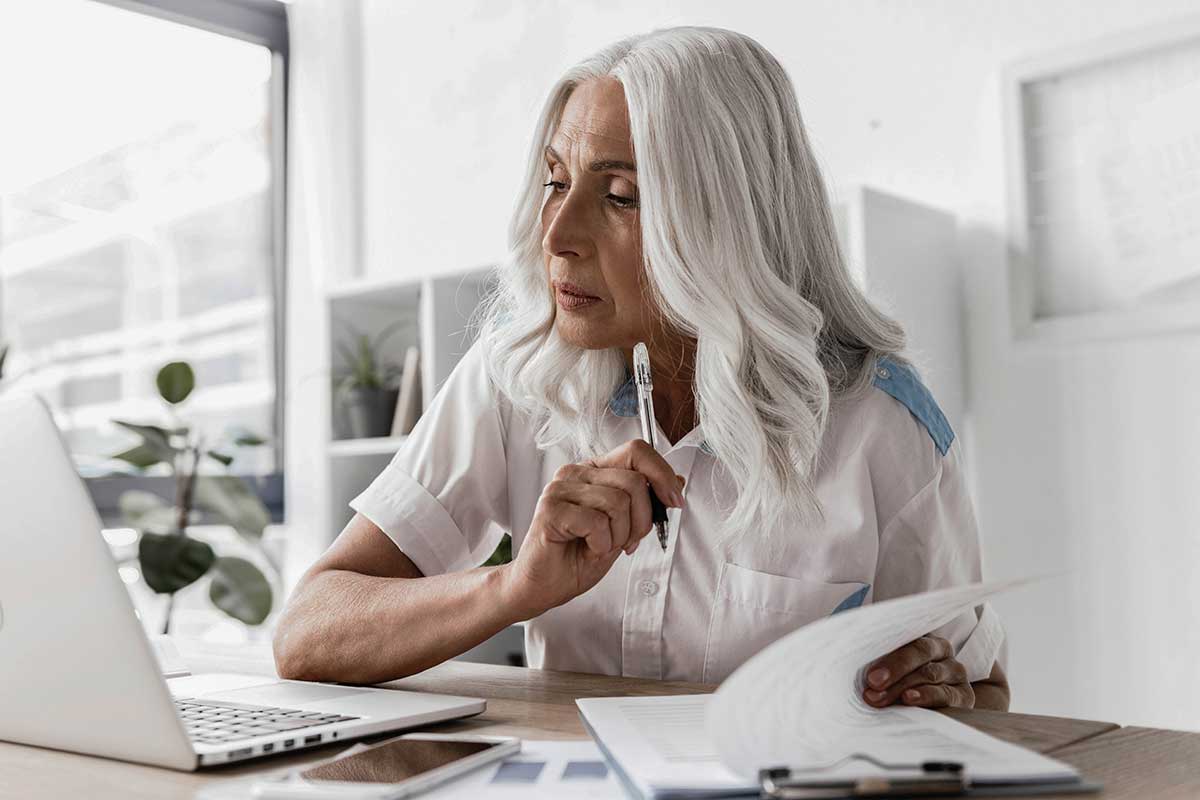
{"points": [[289, 725], [227, 704]]}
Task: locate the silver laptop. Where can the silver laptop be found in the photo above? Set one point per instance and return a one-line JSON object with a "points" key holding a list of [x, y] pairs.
{"points": [[77, 671]]}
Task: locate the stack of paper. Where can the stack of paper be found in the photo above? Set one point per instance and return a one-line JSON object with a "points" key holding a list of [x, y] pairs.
{"points": [[798, 704]]}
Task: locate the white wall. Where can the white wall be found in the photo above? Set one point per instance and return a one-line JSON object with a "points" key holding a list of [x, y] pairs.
{"points": [[1086, 458]]}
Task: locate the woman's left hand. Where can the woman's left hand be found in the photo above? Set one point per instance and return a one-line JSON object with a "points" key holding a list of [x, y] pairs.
{"points": [[921, 673]]}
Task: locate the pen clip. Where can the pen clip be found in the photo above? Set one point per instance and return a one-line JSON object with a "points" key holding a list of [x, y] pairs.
{"points": [[641, 368]]}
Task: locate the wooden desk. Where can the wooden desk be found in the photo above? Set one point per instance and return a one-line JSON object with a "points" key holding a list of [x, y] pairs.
{"points": [[1132, 762]]}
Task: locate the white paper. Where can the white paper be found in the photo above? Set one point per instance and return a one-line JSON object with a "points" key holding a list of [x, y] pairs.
{"points": [[573, 770], [799, 701], [661, 744], [798, 704]]}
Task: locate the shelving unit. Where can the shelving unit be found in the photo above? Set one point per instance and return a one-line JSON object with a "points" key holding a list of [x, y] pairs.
{"points": [[378, 445], [431, 313]]}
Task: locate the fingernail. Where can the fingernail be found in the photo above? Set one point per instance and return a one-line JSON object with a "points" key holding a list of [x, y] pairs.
{"points": [[878, 678], [912, 695], [874, 696], [677, 498]]}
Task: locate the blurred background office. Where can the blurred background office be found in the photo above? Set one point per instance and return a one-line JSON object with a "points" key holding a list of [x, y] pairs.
{"points": [[301, 200]]}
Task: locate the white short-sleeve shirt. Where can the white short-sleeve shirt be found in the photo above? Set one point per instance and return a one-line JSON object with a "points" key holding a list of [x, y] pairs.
{"points": [[897, 520]]}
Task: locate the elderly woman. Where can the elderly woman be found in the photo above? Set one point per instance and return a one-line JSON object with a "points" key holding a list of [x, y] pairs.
{"points": [[671, 198]]}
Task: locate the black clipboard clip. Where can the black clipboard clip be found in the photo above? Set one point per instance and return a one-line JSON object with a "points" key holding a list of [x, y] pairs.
{"points": [[944, 778]]}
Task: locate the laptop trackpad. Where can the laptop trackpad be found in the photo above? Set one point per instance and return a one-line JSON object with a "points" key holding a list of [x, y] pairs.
{"points": [[285, 693]]}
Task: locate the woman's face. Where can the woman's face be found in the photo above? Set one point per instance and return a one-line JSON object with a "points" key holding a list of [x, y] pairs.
{"points": [[590, 231]]}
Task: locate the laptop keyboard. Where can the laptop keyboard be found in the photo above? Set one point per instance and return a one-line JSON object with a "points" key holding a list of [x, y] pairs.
{"points": [[219, 721]]}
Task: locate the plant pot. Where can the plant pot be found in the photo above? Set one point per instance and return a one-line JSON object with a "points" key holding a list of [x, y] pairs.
{"points": [[369, 411]]}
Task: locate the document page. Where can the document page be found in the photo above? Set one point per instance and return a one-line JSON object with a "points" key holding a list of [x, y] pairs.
{"points": [[661, 745], [798, 704], [799, 701]]}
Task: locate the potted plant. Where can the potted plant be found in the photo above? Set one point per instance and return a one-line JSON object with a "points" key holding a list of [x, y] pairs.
{"points": [[169, 558], [366, 386]]}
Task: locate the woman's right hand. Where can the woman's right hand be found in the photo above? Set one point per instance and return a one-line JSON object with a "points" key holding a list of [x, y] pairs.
{"points": [[586, 517]]}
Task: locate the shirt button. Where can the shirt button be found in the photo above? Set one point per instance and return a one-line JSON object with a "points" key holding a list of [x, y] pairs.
{"points": [[883, 373], [648, 588]]}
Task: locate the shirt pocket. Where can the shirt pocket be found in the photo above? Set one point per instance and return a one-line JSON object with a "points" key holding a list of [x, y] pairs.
{"points": [[752, 609]]}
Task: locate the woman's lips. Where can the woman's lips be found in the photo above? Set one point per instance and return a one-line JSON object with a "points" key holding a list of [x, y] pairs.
{"points": [[571, 297]]}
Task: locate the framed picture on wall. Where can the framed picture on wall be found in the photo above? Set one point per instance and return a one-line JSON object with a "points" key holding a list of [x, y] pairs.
{"points": [[1104, 187]]}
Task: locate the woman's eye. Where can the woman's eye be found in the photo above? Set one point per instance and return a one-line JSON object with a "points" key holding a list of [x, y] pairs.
{"points": [[617, 200], [623, 202]]}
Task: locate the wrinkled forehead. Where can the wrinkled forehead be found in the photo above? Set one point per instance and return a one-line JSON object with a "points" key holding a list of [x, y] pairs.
{"points": [[595, 118]]}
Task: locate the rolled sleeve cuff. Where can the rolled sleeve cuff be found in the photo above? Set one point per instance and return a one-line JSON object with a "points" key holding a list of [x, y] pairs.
{"points": [[978, 653], [414, 520]]}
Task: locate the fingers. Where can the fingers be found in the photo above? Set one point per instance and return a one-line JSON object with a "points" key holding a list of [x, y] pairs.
{"points": [[632, 484], [567, 521], [898, 663], [613, 501], [641, 457], [945, 671], [940, 696]]}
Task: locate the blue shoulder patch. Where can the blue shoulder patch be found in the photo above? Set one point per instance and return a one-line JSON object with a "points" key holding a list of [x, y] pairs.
{"points": [[902, 383]]}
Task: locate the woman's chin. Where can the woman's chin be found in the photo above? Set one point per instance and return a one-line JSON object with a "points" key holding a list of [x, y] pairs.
{"points": [[585, 335]]}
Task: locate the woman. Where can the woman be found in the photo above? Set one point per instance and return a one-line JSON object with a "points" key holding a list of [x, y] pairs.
{"points": [[671, 197]]}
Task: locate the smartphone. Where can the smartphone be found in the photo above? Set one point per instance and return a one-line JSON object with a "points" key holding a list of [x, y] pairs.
{"points": [[395, 768]]}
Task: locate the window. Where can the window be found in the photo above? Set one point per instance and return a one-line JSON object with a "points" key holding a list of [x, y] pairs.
{"points": [[141, 216]]}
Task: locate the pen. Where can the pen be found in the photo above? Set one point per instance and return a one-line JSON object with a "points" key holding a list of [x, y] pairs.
{"points": [[641, 372]]}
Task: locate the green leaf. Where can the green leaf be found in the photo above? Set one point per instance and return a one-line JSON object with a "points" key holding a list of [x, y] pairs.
{"points": [[502, 554], [173, 561], [240, 590], [230, 499], [224, 459], [141, 456], [147, 511], [175, 381], [249, 440], [153, 434]]}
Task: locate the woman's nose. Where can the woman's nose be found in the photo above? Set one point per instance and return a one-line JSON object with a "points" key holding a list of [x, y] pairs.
{"points": [[564, 229]]}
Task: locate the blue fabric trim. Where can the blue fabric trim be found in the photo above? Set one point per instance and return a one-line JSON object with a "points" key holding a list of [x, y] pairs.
{"points": [[624, 400], [902, 383], [853, 601]]}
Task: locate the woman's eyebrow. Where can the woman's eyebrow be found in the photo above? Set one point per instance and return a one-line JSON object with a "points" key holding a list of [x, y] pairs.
{"points": [[601, 165]]}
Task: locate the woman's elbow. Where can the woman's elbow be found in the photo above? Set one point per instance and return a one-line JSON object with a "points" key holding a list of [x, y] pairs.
{"points": [[291, 660], [295, 633]]}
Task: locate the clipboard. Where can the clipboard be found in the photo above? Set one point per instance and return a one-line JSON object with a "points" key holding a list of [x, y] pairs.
{"points": [[924, 779]]}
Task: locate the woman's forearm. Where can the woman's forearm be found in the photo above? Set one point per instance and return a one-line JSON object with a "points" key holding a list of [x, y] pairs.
{"points": [[352, 628]]}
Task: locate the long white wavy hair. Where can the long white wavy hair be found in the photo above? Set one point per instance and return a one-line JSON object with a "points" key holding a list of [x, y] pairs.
{"points": [[740, 253]]}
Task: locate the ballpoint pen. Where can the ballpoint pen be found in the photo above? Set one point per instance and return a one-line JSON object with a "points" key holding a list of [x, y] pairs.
{"points": [[645, 385]]}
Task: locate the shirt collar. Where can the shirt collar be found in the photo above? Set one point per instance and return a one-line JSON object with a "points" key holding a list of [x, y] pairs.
{"points": [[624, 403]]}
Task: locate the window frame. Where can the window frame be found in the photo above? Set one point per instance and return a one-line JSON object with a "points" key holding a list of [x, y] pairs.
{"points": [[262, 22]]}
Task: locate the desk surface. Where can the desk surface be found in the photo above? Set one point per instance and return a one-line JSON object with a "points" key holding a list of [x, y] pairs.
{"points": [[1137, 763]]}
